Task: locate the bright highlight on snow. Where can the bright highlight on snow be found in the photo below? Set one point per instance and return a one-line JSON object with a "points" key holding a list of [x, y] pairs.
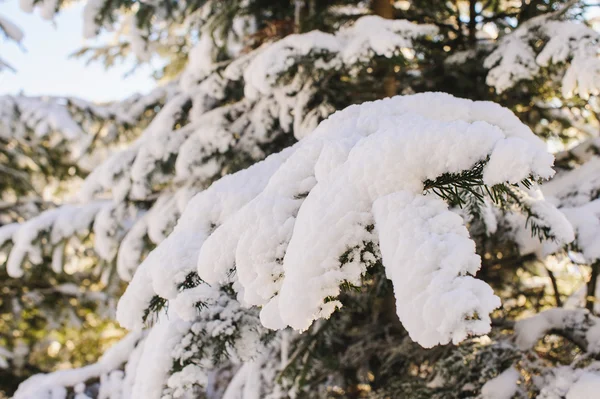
{"points": [[355, 185]]}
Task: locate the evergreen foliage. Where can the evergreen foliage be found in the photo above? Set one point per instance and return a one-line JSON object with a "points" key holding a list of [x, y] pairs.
{"points": [[261, 246]]}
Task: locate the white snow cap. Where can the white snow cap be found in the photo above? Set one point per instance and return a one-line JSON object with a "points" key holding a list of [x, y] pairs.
{"points": [[570, 42], [303, 222], [369, 36], [504, 386]]}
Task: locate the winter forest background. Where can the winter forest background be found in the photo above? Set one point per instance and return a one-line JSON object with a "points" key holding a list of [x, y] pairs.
{"points": [[263, 221]]}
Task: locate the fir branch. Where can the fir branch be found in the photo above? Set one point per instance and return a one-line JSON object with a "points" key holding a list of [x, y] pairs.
{"points": [[157, 304]]}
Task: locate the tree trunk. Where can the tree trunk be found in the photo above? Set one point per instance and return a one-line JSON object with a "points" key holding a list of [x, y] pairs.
{"points": [[385, 9], [472, 25], [590, 298]]}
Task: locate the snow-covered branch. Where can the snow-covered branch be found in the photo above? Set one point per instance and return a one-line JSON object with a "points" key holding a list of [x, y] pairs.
{"points": [[517, 58], [258, 222]]}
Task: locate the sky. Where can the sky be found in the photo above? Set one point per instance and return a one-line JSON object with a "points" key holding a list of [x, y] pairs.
{"points": [[43, 66]]}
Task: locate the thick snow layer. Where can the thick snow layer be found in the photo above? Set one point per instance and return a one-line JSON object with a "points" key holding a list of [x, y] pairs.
{"points": [[263, 71], [504, 386], [155, 360], [272, 106], [342, 191], [574, 192], [180, 249], [433, 300], [372, 35], [514, 59], [192, 344], [369, 36]]}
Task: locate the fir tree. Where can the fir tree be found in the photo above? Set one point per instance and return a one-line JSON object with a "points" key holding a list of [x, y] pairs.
{"points": [[422, 246]]}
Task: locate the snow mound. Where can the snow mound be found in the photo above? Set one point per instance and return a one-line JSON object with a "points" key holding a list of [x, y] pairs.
{"points": [[290, 231]]}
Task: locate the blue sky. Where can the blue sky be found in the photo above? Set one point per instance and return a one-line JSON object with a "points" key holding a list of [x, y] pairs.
{"points": [[44, 66]]}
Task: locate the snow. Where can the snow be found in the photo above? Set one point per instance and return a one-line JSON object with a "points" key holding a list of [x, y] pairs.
{"points": [[200, 63], [586, 222], [71, 124], [4, 356], [155, 360], [5, 65], [139, 40], [514, 59], [261, 220], [181, 381], [566, 382], [109, 228], [369, 36], [26, 5], [460, 57], [574, 192], [530, 330], [272, 106], [42, 115], [91, 9], [592, 337], [434, 301], [578, 43], [191, 344], [131, 249], [545, 214], [11, 30], [504, 386], [587, 386], [114, 172], [7, 231], [180, 249], [52, 385], [266, 67], [575, 187], [375, 36], [46, 8], [556, 382], [57, 224], [351, 190]]}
